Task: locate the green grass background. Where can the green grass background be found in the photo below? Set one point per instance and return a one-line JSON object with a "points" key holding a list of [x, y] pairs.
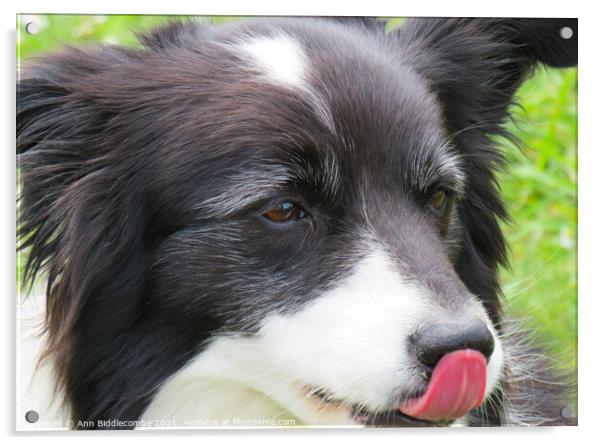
{"points": [[539, 187]]}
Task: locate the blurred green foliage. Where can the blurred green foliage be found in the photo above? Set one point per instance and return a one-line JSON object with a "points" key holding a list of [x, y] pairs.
{"points": [[540, 185], [540, 189]]}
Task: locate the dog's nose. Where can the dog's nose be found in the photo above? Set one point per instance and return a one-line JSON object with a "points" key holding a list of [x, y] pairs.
{"points": [[434, 341]]}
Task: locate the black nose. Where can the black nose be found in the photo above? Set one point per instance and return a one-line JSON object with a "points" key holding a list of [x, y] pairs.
{"points": [[434, 341]]}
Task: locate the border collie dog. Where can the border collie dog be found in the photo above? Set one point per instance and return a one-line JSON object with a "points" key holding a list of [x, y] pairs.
{"points": [[283, 218]]}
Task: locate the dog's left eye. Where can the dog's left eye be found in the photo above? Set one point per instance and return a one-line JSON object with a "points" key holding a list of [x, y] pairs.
{"points": [[285, 212], [438, 200]]}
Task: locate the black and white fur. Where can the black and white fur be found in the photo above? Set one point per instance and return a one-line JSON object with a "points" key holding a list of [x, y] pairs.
{"points": [[145, 175]]}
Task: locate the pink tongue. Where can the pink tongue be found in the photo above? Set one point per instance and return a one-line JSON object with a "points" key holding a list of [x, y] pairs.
{"points": [[456, 387]]}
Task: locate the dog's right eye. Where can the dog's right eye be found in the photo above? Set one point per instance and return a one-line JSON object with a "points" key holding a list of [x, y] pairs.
{"points": [[285, 212]]}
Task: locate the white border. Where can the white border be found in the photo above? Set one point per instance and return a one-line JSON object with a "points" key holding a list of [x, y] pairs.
{"points": [[590, 149]]}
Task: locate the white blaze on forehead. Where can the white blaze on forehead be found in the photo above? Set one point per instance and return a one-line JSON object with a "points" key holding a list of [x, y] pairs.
{"points": [[280, 57]]}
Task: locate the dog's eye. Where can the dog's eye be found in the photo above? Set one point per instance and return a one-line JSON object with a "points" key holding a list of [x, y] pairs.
{"points": [[439, 200], [285, 212]]}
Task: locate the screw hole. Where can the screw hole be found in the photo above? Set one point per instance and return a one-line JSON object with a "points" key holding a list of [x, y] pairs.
{"points": [[566, 412], [32, 416], [566, 32], [32, 28]]}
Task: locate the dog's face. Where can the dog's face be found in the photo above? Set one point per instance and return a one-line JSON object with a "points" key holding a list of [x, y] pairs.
{"points": [[303, 209], [315, 202]]}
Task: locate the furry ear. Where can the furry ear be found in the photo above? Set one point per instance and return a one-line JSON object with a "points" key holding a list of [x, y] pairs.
{"points": [[476, 65], [81, 208], [59, 134]]}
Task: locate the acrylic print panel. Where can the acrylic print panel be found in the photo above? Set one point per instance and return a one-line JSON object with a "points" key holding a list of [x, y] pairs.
{"points": [[276, 222]]}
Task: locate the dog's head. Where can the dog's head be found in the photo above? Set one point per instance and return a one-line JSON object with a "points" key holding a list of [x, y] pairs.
{"points": [[305, 208]]}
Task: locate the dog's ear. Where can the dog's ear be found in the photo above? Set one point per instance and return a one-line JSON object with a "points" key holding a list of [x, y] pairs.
{"points": [[475, 65], [80, 203]]}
